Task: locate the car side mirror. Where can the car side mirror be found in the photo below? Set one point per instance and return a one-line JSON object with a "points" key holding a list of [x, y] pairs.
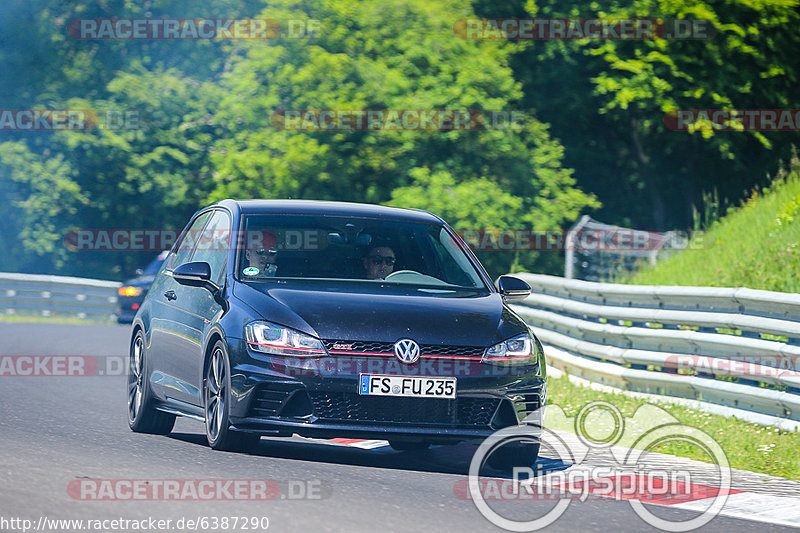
{"points": [[513, 289], [198, 274], [195, 274]]}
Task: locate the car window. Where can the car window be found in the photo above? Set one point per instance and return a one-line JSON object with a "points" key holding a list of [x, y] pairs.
{"points": [[351, 248], [214, 244], [183, 248], [452, 260]]}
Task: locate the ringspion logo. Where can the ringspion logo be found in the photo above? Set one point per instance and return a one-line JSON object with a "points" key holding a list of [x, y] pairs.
{"points": [[636, 475]]}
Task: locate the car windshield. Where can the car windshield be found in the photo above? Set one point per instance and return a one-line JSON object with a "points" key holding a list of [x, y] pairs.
{"points": [[425, 256]]}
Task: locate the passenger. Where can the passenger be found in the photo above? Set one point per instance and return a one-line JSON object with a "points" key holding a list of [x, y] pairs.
{"points": [[379, 262]]}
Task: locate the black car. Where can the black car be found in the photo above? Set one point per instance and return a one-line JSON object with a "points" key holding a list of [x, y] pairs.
{"points": [[331, 319], [132, 293]]}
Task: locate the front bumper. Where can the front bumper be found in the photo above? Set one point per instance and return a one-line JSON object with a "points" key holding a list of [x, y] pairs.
{"points": [[318, 397]]}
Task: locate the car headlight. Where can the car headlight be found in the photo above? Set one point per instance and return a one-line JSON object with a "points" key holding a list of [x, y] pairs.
{"points": [[273, 339], [523, 349]]}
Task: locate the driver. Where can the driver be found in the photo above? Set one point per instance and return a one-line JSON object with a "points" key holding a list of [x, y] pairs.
{"points": [[260, 263], [379, 262]]}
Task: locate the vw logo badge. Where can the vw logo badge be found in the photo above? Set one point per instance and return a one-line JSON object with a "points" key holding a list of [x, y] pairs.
{"points": [[407, 351]]}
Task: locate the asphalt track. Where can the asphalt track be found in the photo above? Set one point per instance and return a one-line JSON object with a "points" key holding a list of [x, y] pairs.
{"points": [[57, 431]]}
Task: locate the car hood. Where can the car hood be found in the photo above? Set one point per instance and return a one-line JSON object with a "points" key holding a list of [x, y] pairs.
{"points": [[384, 314]]}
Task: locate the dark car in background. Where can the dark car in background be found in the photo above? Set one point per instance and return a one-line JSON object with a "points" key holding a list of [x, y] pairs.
{"points": [[331, 319], [131, 295]]}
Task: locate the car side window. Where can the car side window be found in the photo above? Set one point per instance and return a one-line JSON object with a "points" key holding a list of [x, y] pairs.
{"points": [[214, 244], [182, 250], [453, 272]]}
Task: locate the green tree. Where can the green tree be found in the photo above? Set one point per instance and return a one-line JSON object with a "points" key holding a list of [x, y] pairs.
{"points": [[391, 55], [205, 129], [147, 175], [40, 196], [606, 100]]}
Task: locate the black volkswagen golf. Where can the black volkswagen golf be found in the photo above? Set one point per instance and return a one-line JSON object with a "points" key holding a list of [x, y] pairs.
{"points": [[323, 319]]}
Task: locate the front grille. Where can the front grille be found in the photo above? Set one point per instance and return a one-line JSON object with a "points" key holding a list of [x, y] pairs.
{"points": [[269, 398], [388, 348], [361, 346], [473, 412], [529, 403], [452, 351]]}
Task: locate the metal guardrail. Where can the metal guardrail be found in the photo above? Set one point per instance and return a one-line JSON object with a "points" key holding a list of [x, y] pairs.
{"points": [[734, 347], [30, 294]]}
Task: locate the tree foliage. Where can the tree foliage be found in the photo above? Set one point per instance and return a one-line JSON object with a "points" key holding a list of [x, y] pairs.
{"points": [[381, 56], [606, 100], [207, 129]]}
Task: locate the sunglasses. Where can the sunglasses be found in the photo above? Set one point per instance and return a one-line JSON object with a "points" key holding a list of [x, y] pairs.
{"points": [[378, 260], [263, 252]]}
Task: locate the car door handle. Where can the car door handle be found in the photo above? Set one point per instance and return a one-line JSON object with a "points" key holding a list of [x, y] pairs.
{"points": [[171, 295]]}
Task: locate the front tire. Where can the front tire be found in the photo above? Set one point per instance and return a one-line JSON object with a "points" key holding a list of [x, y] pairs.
{"points": [[216, 395], [143, 417]]}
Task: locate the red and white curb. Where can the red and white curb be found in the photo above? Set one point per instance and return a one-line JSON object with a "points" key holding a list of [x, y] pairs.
{"points": [[766, 508], [362, 443], [778, 510]]}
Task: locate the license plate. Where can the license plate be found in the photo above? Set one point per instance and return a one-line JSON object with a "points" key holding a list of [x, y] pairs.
{"points": [[414, 386]]}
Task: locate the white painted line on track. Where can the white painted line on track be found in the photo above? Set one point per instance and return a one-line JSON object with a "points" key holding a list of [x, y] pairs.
{"points": [[778, 510]]}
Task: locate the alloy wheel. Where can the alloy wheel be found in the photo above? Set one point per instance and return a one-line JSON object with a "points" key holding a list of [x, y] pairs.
{"points": [[136, 378], [215, 394]]}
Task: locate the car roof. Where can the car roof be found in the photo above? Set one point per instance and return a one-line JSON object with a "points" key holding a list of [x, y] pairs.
{"points": [[318, 207]]}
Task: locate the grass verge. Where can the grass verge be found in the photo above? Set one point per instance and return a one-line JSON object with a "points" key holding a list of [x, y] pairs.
{"points": [[756, 245], [52, 320], [752, 447]]}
